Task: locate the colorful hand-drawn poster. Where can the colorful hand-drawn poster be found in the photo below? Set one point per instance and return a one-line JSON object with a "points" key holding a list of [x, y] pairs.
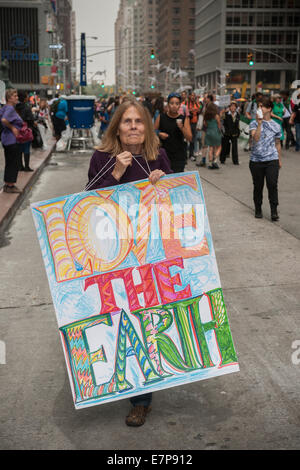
{"points": [[135, 286]]}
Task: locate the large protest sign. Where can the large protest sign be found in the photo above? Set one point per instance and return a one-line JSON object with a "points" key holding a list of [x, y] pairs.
{"points": [[135, 286]]}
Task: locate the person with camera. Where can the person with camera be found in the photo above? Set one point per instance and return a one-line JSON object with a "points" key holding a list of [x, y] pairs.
{"points": [[265, 158]]}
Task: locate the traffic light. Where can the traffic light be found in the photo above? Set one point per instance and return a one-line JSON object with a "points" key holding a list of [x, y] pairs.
{"points": [[152, 86], [152, 56], [250, 59], [102, 85]]}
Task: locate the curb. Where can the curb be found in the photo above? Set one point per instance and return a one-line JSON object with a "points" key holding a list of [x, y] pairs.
{"points": [[10, 203]]}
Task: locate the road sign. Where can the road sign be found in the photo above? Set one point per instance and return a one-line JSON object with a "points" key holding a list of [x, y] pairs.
{"points": [[47, 61], [55, 46]]}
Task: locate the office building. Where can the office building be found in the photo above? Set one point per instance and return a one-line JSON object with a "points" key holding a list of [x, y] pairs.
{"points": [[250, 43], [29, 29]]}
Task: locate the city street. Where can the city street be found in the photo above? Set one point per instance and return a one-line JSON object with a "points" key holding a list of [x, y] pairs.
{"points": [[259, 265]]}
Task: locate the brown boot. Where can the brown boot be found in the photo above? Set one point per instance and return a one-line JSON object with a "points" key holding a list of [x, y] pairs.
{"points": [[11, 189], [137, 415]]}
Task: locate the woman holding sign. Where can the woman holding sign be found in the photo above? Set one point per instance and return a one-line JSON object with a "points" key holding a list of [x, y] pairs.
{"points": [[129, 152]]}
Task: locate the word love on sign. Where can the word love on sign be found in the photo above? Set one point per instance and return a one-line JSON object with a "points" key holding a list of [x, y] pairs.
{"points": [[136, 289]]}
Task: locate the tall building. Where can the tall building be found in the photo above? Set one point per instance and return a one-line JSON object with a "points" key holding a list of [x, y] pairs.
{"points": [[64, 30], [73, 50], [135, 36], [231, 33], [28, 30], [165, 27], [176, 43]]}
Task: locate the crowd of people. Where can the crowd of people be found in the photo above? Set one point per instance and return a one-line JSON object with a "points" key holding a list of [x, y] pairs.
{"points": [[25, 121], [188, 127]]}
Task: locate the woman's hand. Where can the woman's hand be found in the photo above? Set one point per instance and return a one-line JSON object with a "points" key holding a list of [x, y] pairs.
{"points": [[163, 135], [179, 124], [155, 175], [123, 161], [15, 131]]}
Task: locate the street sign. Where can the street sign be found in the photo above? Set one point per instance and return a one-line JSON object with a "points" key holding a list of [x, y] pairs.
{"points": [[47, 61], [55, 46], [83, 72]]}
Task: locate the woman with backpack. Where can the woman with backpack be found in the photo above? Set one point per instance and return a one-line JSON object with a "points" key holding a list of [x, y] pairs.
{"points": [[59, 111]]}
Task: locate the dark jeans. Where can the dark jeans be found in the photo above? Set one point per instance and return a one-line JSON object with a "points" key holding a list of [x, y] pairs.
{"points": [[261, 171], [24, 148], [225, 152], [297, 126], [143, 400], [177, 166], [289, 135], [12, 158], [192, 143]]}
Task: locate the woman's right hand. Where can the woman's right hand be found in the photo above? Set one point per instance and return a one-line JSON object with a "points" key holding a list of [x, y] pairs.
{"points": [[15, 131], [123, 160]]}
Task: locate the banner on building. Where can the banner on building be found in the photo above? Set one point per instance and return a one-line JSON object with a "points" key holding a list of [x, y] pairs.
{"points": [[83, 71], [135, 286]]}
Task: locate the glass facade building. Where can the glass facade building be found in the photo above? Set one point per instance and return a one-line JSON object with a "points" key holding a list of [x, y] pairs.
{"points": [[227, 31]]}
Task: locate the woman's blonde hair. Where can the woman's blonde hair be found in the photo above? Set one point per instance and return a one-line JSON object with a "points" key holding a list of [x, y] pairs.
{"points": [[111, 142], [9, 92]]}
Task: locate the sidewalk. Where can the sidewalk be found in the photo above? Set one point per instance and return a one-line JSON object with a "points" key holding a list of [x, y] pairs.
{"points": [[9, 203]]}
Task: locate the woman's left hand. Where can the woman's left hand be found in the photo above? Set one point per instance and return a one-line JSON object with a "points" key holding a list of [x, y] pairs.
{"points": [[155, 175]]}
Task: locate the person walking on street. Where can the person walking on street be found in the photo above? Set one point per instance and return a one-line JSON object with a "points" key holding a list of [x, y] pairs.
{"points": [[278, 113], [194, 110], [158, 108], [184, 104], [23, 108], [129, 152], [59, 110], [251, 111], [231, 123], [173, 129], [207, 98], [295, 120], [213, 135], [11, 124], [265, 159], [286, 100], [104, 120]]}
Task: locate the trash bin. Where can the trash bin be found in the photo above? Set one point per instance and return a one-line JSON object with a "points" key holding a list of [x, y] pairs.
{"points": [[81, 111]]}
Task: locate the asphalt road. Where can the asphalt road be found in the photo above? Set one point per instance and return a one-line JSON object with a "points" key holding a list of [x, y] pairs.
{"points": [[259, 265]]}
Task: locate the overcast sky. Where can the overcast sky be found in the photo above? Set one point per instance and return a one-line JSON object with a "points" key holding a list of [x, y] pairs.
{"points": [[97, 18]]}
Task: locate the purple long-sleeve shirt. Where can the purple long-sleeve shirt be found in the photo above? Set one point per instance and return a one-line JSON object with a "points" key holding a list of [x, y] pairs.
{"points": [[9, 113], [102, 162]]}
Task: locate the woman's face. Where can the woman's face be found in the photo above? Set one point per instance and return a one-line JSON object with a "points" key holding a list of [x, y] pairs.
{"points": [[131, 128], [174, 105], [265, 110], [14, 99]]}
